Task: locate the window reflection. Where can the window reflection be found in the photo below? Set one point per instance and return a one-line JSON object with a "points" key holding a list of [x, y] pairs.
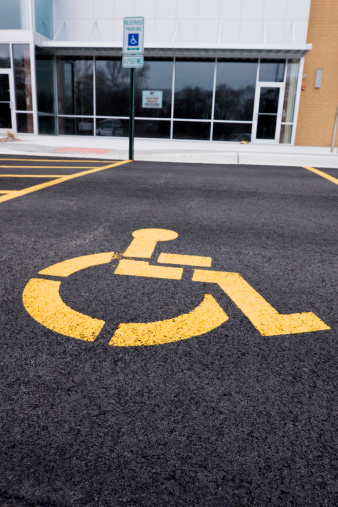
{"points": [[22, 77], [232, 132], [5, 61], [192, 130], [152, 128], [13, 14], [272, 70], [24, 123], [292, 71], [235, 90], [112, 88], [155, 75], [47, 124], [76, 126], [44, 17], [75, 85], [193, 89], [112, 127], [45, 81]]}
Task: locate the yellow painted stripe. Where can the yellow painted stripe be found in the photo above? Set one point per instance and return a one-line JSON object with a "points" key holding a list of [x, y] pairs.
{"points": [[322, 174], [8, 191], [187, 260], [31, 175], [206, 317], [71, 266], [35, 188], [142, 268], [42, 301], [262, 315], [44, 167]]}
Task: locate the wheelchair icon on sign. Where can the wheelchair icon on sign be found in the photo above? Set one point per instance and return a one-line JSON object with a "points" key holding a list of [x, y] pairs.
{"points": [[133, 39]]}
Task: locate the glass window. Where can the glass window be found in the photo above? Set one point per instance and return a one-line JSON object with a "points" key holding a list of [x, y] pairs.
{"points": [[112, 88], [5, 61], [285, 134], [24, 123], [292, 70], [76, 126], [13, 14], [193, 89], [75, 85], [272, 70], [152, 128], [44, 17], [47, 124], [4, 88], [192, 130], [22, 77], [156, 76], [232, 132], [112, 127], [235, 90], [5, 116], [45, 81]]}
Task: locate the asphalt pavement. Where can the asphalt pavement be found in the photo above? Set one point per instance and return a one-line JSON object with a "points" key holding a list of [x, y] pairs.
{"points": [[134, 380]]}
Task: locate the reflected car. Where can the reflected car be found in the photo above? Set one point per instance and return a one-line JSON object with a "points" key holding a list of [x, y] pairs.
{"points": [[239, 138], [109, 128]]}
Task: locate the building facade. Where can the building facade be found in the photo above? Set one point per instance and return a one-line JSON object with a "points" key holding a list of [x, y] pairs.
{"points": [[224, 71]]}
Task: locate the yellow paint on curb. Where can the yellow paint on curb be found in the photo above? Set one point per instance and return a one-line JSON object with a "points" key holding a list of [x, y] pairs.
{"points": [[322, 174], [262, 315], [42, 301], [204, 318], [142, 268], [71, 266], [186, 260]]}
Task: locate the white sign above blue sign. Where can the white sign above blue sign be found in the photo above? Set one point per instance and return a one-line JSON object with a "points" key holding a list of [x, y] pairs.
{"points": [[133, 36], [132, 62]]}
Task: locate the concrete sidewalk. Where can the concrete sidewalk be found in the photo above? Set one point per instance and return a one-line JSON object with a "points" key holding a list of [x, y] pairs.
{"points": [[160, 150]]}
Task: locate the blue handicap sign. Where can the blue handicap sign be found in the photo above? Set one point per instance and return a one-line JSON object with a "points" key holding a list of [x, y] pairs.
{"points": [[133, 39]]}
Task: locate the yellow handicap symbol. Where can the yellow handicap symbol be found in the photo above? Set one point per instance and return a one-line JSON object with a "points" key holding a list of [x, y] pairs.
{"points": [[42, 300]]}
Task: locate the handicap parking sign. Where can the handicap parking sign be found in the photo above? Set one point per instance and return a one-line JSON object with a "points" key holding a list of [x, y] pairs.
{"points": [[133, 39]]}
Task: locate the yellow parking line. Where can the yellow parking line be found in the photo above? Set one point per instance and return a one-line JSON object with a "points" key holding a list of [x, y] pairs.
{"points": [[35, 188], [31, 175], [8, 191], [43, 167], [322, 174]]}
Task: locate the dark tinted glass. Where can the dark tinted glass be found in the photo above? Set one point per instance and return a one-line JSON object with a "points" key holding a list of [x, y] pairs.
{"points": [[112, 127], [76, 126], [45, 82], [266, 126], [5, 61], [155, 75], [24, 123], [233, 132], [268, 100], [152, 128], [22, 77], [235, 90], [47, 125], [112, 88], [75, 85], [191, 130], [5, 116], [4, 88], [272, 70], [193, 89]]}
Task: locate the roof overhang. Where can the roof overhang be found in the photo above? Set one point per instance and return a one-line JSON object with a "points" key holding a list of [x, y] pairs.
{"points": [[186, 50]]}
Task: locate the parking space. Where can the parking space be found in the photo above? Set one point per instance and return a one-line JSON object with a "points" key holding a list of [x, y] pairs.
{"points": [[169, 337], [21, 176]]}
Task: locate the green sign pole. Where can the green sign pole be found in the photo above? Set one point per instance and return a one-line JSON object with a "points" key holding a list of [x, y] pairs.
{"points": [[131, 114]]}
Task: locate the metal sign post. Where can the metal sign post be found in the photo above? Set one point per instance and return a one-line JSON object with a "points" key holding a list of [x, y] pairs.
{"points": [[133, 29]]}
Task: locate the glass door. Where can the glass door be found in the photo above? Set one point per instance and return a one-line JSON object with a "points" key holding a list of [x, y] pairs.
{"points": [[268, 113], [7, 118]]}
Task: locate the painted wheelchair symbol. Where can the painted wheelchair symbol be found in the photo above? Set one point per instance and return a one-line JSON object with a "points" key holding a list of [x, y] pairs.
{"points": [[42, 300]]}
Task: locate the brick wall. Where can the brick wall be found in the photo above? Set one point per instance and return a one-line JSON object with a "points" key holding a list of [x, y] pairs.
{"points": [[318, 106]]}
